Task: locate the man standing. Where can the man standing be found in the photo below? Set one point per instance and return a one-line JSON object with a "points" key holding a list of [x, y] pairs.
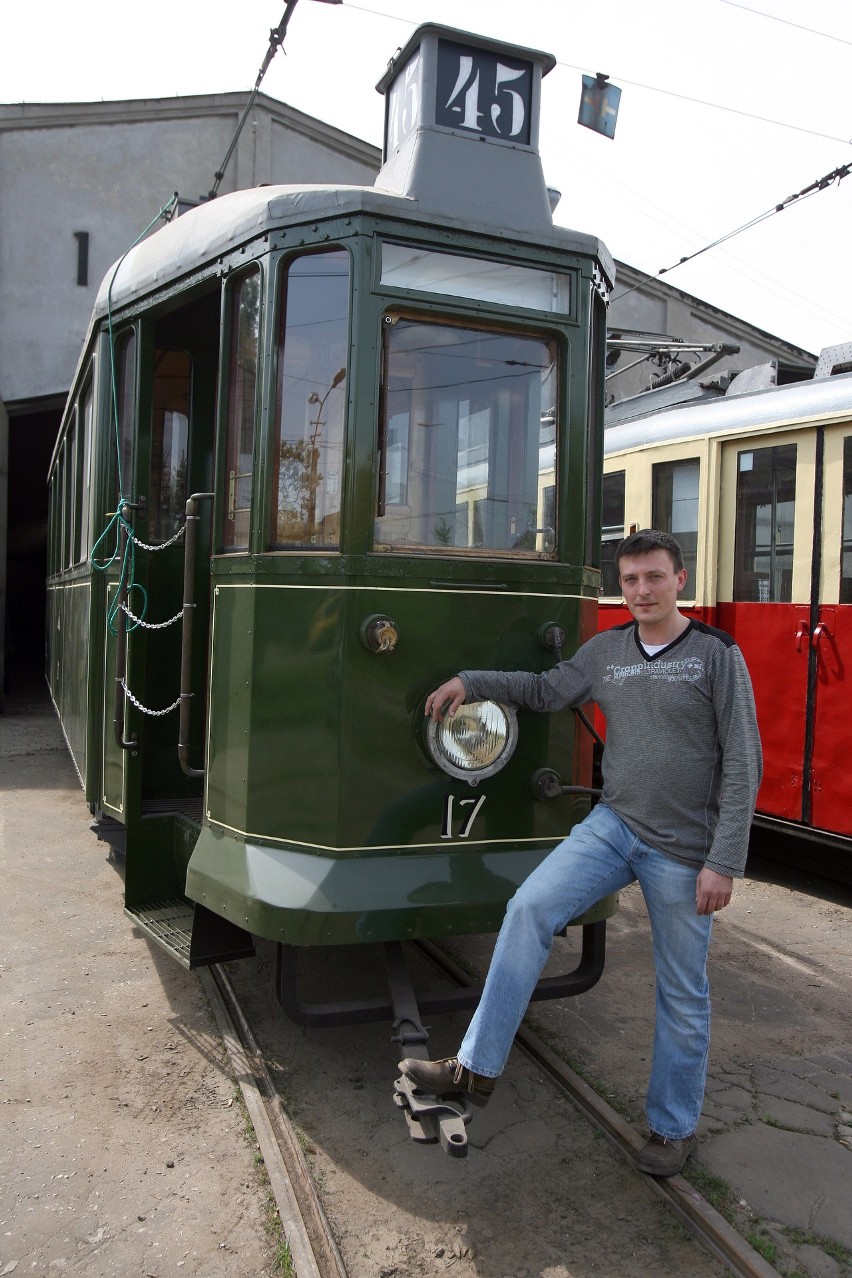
{"points": [[681, 770]]}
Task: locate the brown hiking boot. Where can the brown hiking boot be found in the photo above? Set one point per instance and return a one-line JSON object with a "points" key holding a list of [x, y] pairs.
{"points": [[443, 1078], [661, 1157]]}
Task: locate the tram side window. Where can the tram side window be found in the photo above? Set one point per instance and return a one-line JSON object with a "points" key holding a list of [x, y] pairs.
{"points": [[846, 549], [126, 390], [307, 469], [612, 530], [72, 492], [675, 510], [169, 436], [763, 544], [242, 404], [467, 440], [85, 421]]}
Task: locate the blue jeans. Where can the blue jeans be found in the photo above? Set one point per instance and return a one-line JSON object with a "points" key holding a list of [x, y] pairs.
{"points": [[600, 856]]}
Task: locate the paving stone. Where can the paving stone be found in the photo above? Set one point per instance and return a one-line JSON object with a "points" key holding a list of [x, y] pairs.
{"points": [[800, 1118], [801, 1181], [818, 1265], [735, 1098], [797, 1089]]}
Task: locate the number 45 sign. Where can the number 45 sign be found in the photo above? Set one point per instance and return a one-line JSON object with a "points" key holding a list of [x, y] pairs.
{"points": [[484, 93]]}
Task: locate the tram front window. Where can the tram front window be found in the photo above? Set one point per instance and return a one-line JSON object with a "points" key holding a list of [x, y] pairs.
{"points": [[468, 441]]}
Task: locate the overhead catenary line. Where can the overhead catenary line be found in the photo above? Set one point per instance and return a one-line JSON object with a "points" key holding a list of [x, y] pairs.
{"points": [[773, 17], [276, 39], [821, 184], [651, 88]]}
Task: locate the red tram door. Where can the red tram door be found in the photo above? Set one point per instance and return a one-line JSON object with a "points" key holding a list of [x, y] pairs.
{"points": [[790, 611]]}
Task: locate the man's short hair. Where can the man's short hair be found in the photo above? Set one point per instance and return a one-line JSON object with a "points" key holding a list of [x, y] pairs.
{"points": [[647, 540]]}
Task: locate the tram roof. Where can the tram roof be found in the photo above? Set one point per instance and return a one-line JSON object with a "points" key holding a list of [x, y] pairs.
{"points": [[778, 406], [202, 234]]}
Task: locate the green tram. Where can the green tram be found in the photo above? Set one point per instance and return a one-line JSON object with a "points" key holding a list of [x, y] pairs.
{"points": [[348, 441]]}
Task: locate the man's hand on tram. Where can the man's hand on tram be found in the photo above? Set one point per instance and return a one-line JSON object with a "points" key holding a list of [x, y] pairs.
{"points": [[446, 699], [713, 891]]}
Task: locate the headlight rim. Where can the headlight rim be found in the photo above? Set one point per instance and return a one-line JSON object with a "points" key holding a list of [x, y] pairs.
{"points": [[473, 775]]}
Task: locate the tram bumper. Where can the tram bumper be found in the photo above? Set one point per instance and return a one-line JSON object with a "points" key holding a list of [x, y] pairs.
{"points": [[313, 897]]}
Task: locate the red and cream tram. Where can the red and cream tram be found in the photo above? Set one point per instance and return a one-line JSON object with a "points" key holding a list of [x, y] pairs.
{"points": [[757, 487]]}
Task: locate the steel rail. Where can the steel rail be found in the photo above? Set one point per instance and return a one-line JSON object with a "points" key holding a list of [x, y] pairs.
{"points": [[707, 1225], [313, 1248]]}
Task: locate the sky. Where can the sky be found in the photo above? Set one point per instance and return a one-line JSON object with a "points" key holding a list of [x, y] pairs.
{"points": [[727, 109]]}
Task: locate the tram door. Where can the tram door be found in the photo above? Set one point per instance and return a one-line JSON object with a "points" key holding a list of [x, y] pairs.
{"points": [[785, 545], [170, 457]]}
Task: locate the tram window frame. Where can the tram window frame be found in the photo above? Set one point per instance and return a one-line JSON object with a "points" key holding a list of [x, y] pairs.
{"points": [[467, 277], [241, 426], [459, 525], [307, 469], [670, 511], [125, 347], [86, 418], [612, 531], [775, 583], [845, 595]]}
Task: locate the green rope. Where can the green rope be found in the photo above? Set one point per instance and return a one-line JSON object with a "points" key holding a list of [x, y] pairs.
{"points": [[117, 520]]}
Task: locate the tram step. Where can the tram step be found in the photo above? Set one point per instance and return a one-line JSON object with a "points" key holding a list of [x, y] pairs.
{"points": [[195, 936], [167, 922]]}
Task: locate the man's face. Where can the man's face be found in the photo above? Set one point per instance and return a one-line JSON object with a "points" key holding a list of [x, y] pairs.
{"points": [[651, 585]]}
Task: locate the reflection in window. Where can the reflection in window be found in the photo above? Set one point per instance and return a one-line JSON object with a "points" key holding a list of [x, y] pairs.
{"points": [[468, 440], [612, 530], [675, 511], [169, 441], [242, 399], [766, 504], [307, 469], [846, 550]]}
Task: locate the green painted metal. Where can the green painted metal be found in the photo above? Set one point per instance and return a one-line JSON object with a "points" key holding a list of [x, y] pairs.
{"points": [[324, 819]]}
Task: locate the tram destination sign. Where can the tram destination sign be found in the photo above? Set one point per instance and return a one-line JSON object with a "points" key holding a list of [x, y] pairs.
{"points": [[483, 92], [487, 92]]}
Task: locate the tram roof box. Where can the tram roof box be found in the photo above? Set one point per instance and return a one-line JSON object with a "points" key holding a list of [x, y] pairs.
{"points": [[461, 129]]}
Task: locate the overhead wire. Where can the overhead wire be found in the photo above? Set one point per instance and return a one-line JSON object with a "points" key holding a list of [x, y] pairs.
{"points": [[820, 184], [774, 17]]}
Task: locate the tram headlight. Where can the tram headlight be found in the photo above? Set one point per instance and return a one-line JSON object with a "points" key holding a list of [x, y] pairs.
{"points": [[476, 742]]}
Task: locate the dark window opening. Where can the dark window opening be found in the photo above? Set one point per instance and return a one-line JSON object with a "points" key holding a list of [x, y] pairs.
{"points": [[82, 238]]}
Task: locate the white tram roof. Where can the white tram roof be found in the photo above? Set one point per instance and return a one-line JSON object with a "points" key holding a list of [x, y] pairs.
{"points": [[799, 403], [202, 234]]}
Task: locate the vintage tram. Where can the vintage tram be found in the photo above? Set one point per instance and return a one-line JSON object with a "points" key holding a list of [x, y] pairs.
{"points": [[756, 484], [348, 441]]}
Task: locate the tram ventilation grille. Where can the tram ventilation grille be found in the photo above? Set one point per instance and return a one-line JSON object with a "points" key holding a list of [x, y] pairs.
{"points": [[169, 922]]}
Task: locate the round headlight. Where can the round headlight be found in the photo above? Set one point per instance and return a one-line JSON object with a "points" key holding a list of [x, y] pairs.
{"points": [[476, 742]]}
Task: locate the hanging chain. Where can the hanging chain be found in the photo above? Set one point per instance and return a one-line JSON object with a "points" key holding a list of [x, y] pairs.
{"points": [[163, 544], [146, 710], [153, 625]]}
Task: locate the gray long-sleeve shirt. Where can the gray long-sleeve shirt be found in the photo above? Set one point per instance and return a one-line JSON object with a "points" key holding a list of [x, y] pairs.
{"points": [[682, 762]]}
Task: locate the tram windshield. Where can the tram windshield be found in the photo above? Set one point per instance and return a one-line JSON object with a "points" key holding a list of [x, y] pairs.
{"points": [[468, 440]]}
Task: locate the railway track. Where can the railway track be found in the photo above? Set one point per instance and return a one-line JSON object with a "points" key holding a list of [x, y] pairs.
{"points": [[309, 1234]]}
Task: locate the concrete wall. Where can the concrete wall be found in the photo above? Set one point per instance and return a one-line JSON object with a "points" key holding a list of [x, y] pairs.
{"points": [[656, 307], [105, 169], [4, 501]]}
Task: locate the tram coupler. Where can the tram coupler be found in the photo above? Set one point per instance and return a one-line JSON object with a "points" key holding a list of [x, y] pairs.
{"points": [[430, 1118]]}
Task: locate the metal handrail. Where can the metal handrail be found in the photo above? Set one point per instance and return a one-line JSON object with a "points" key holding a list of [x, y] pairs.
{"points": [[189, 547]]}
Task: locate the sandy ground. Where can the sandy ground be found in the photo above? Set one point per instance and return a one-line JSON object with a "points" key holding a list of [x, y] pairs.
{"points": [[123, 1150]]}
